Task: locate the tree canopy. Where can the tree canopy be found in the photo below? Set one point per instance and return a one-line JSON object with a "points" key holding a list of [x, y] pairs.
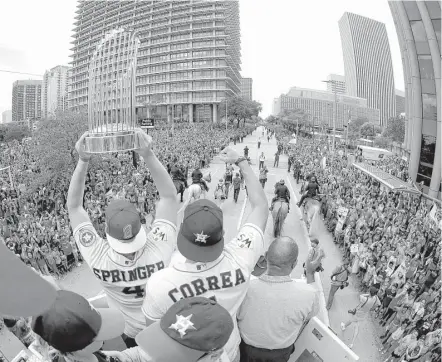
{"points": [[14, 131], [53, 146], [239, 109], [395, 129]]}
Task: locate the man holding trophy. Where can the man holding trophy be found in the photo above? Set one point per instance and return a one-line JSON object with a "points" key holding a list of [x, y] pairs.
{"points": [[129, 256]]}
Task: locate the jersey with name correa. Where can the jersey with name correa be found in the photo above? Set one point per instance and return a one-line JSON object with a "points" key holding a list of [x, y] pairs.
{"points": [[124, 280], [225, 280]]}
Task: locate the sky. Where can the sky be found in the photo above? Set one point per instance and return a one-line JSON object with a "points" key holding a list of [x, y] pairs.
{"points": [[284, 43]]}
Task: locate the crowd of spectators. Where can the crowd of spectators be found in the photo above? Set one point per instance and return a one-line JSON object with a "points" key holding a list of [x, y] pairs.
{"points": [[35, 225], [390, 241]]}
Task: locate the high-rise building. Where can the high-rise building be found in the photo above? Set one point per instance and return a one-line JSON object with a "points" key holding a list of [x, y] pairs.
{"points": [[400, 101], [188, 60], [26, 100], [418, 25], [246, 88], [336, 82], [54, 91], [367, 63], [319, 105], [7, 116]]}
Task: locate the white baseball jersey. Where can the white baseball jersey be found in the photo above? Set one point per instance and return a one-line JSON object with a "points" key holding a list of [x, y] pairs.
{"points": [[225, 280], [123, 279]]}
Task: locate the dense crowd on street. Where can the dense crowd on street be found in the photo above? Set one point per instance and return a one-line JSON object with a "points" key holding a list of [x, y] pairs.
{"points": [[388, 242], [189, 283], [36, 226]]}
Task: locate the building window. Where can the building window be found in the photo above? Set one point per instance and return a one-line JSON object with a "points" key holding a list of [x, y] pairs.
{"points": [[426, 67], [412, 10], [420, 37]]}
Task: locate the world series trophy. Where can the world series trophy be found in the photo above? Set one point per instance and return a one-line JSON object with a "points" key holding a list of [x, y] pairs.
{"points": [[111, 98]]}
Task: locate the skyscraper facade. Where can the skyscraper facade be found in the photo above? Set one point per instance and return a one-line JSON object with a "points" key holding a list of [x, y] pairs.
{"points": [[367, 63], [54, 91], [246, 88], [418, 26], [337, 83], [26, 100], [319, 105], [6, 116], [188, 60]]}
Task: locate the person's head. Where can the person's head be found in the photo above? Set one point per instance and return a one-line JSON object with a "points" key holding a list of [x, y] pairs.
{"points": [[346, 263], [190, 330], [373, 291], [201, 236], [282, 256], [314, 243], [124, 232], [72, 326], [281, 182]]}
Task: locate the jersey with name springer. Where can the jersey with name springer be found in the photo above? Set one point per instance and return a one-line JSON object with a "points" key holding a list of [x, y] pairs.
{"points": [[225, 280], [123, 279]]}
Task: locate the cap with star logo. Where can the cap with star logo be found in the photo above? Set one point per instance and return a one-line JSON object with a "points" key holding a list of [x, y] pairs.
{"points": [[190, 328], [124, 231], [201, 236]]}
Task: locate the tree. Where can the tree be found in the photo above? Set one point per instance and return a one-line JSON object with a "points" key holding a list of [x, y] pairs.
{"points": [[382, 142], [14, 131], [369, 130], [354, 128], [54, 147], [395, 129], [239, 109]]}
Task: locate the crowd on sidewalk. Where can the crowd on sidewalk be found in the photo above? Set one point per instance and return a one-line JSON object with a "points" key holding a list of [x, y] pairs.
{"points": [[35, 225], [386, 239], [388, 242], [176, 293]]}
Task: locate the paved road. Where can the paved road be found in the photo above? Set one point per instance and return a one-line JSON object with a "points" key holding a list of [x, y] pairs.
{"points": [[82, 281]]}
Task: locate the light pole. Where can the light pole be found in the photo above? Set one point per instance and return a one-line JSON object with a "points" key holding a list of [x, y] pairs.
{"points": [[335, 109], [226, 114], [346, 134]]}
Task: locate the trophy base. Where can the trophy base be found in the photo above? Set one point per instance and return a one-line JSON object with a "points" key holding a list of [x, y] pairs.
{"points": [[117, 142]]}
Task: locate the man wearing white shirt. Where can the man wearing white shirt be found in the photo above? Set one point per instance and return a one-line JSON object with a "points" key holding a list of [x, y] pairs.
{"points": [[262, 158], [211, 268], [282, 306]]}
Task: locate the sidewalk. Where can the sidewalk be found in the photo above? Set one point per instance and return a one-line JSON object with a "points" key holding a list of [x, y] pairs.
{"points": [[366, 345]]}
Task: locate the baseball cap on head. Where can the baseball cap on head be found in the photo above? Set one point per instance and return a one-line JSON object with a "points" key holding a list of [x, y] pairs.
{"points": [[124, 232], [190, 328], [201, 236], [72, 323]]}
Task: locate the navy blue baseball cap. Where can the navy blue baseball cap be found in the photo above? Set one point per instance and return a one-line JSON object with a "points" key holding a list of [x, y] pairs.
{"points": [[201, 236]]}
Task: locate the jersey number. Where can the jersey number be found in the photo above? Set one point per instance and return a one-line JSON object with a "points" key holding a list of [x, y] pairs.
{"points": [[138, 291]]}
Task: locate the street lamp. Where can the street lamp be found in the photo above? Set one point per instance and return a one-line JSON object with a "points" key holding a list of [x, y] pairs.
{"points": [[226, 114], [335, 109]]}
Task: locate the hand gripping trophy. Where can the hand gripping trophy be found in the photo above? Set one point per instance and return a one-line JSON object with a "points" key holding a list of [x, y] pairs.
{"points": [[111, 100]]}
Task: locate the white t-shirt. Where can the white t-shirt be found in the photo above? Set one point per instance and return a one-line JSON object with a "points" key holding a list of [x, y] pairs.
{"points": [[262, 158], [123, 279], [225, 280]]}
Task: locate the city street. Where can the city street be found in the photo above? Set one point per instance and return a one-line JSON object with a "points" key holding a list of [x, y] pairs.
{"points": [[82, 280]]}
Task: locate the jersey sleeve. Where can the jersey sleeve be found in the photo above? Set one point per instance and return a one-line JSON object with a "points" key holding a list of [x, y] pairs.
{"points": [[156, 301], [247, 246], [163, 232], [90, 244]]}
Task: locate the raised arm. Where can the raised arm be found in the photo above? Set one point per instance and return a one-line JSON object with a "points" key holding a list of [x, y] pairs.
{"points": [[257, 197], [77, 214], [168, 205]]}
